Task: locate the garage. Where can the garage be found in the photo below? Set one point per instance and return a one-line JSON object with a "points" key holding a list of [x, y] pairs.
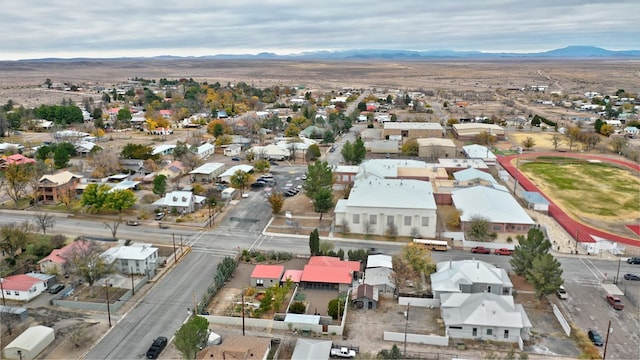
{"points": [[30, 343]]}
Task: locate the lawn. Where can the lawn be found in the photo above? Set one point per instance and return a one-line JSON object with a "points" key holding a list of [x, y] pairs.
{"points": [[587, 189]]}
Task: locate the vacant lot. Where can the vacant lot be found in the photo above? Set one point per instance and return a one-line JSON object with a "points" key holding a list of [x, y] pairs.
{"points": [[588, 190]]}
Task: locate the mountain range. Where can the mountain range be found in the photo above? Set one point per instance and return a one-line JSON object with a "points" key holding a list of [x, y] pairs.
{"points": [[569, 52]]}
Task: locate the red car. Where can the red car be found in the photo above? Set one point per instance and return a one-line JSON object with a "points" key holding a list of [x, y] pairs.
{"points": [[615, 302], [480, 250], [503, 251]]}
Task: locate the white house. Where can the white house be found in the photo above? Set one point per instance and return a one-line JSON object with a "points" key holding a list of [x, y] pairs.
{"points": [[469, 276], [484, 316], [140, 259], [183, 202], [232, 150], [207, 172], [226, 176], [22, 287], [84, 147], [403, 207], [164, 149], [380, 278], [205, 150], [270, 152]]}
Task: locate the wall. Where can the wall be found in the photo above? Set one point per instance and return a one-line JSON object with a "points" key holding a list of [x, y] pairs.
{"points": [[563, 322], [113, 307], [416, 338], [419, 302]]}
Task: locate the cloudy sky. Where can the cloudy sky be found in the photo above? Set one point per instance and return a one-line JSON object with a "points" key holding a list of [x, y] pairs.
{"points": [[114, 28]]}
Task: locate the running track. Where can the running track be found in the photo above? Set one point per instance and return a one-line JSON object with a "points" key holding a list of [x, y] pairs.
{"points": [[579, 231]]}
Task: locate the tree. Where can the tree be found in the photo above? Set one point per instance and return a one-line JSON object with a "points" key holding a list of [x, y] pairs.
{"points": [[556, 140], [485, 138], [527, 249], [276, 200], [119, 200], [478, 228], [319, 175], [95, 196], [402, 271], [618, 144], [160, 185], [113, 227], [60, 157], [323, 201], [410, 147], [359, 151], [239, 180], [545, 274], [262, 165], [418, 257], [347, 152], [180, 150], [87, 263], [15, 179], [313, 152], [335, 308], [191, 336], [573, 136], [314, 242], [528, 142], [14, 236], [137, 151], [44, 221], [326, 247]]}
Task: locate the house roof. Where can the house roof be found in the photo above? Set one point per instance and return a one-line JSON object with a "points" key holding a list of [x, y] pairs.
{"points": [[31, 339], [204, 148], [175, 167], [270, 150], [207, 168], [388, 168], [450, 275], [60, 256], [496, 205], [179, 199], [267, 271], [379, 260], [473, 174], [534, 197], [310, 349], [232, 170], [162, 149], [435, 142], [133, 252], [294, 275], [391, 193], [365, 291], [412, 125], [482, 309], [483, 126], [379, 276], [60, 178], [20, 282], [16, 159], [125, 185], [476, 151], [326, 269], [85, 146]]}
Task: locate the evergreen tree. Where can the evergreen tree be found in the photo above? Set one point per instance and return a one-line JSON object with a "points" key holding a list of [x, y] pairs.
{"points": [[314, 242], [359, 151], [347, 153], [528, 248], [545, 274]]}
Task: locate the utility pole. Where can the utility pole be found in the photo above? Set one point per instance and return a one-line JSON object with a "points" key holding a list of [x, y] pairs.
{"points": [[242, 311], [618, 275], [133, 288], [175, 257], [606, 341], [406, 327], [108, 307]]}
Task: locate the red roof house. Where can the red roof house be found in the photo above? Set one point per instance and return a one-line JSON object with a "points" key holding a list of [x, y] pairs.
{"points": [[266, 275], [293, 275], [18, 159], [326, 272], [56, 261], [22, 287]]}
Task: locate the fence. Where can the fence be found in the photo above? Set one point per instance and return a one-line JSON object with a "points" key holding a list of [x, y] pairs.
{"points": [[416, 338], [430, 303], [82, 305]]}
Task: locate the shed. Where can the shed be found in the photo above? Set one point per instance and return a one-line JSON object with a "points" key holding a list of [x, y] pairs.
{"points": [[30, 343], [365, 296], [310, 349], [536, 201], [266, 275]]}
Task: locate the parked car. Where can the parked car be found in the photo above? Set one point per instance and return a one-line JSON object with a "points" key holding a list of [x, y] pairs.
{"points": [[133, 223], [304, 176], [273, 163], [595, 337], [159, 216], [632, 277], [615, 302], [503, 251], [235, 159], [156, 348], [56, 288], [257, 184], [562, 293], [267, 176], [633, 260], [343, 352], [480, 250]]}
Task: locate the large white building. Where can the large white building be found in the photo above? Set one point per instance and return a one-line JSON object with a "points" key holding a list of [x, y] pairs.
{"points": [[388, 206]]}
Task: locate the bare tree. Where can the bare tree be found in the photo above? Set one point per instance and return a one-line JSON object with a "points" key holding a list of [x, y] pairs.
{"points": [[402, 272], [44, 221], [113, 227], [87, 263], [556, 140]]}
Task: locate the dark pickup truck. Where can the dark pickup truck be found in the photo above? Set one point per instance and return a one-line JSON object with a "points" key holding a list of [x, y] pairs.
{"points": [[156, 348]]}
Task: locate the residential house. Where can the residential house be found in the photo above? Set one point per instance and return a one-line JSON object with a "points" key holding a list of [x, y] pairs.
{"points": [[379, 273], [311, 349], [70, 135], [435, 147], [292, 275], [238, 347], [412, 130], [329, 273], [312, 132], [182, 202], [139, 259], [5, 147], [208, 172], [266, 275], [484, 316], [15, 159], [59, 260], [481, 152], [132, 165], [52, 187], [379, 261], [469, 277], [365, 296], [402, 207], [270, 152], [162, 150], [226, 176], [469, 131], [205, 150], [173, 170], [500, 208], [232, 150], [84, 148], [22, 287]]}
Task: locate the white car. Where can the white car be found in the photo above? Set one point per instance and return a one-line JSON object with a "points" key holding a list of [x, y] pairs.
{"points": [[562, 293]]}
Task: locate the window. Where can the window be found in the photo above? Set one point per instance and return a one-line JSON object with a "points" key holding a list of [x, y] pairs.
{"points": [[16, 292], [373, 219], [455, 327], [259, 282], [474, 332], [506, 334], [389, 219], [497, 227], [356, 218], [8, 292], [425, 221], [407, 221], [489, 331]]}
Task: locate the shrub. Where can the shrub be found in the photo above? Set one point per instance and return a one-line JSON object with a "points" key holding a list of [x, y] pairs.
{"points": [[298, 307]]}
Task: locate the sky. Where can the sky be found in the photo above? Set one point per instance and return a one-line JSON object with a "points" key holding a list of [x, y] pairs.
{"points": [[31, 29]]}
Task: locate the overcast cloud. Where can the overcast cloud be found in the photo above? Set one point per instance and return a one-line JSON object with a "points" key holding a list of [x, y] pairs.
{"points": [[114, 28]]}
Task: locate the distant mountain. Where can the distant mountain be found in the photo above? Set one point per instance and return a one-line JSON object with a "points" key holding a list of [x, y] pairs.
{"points": [[569, 52]]}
